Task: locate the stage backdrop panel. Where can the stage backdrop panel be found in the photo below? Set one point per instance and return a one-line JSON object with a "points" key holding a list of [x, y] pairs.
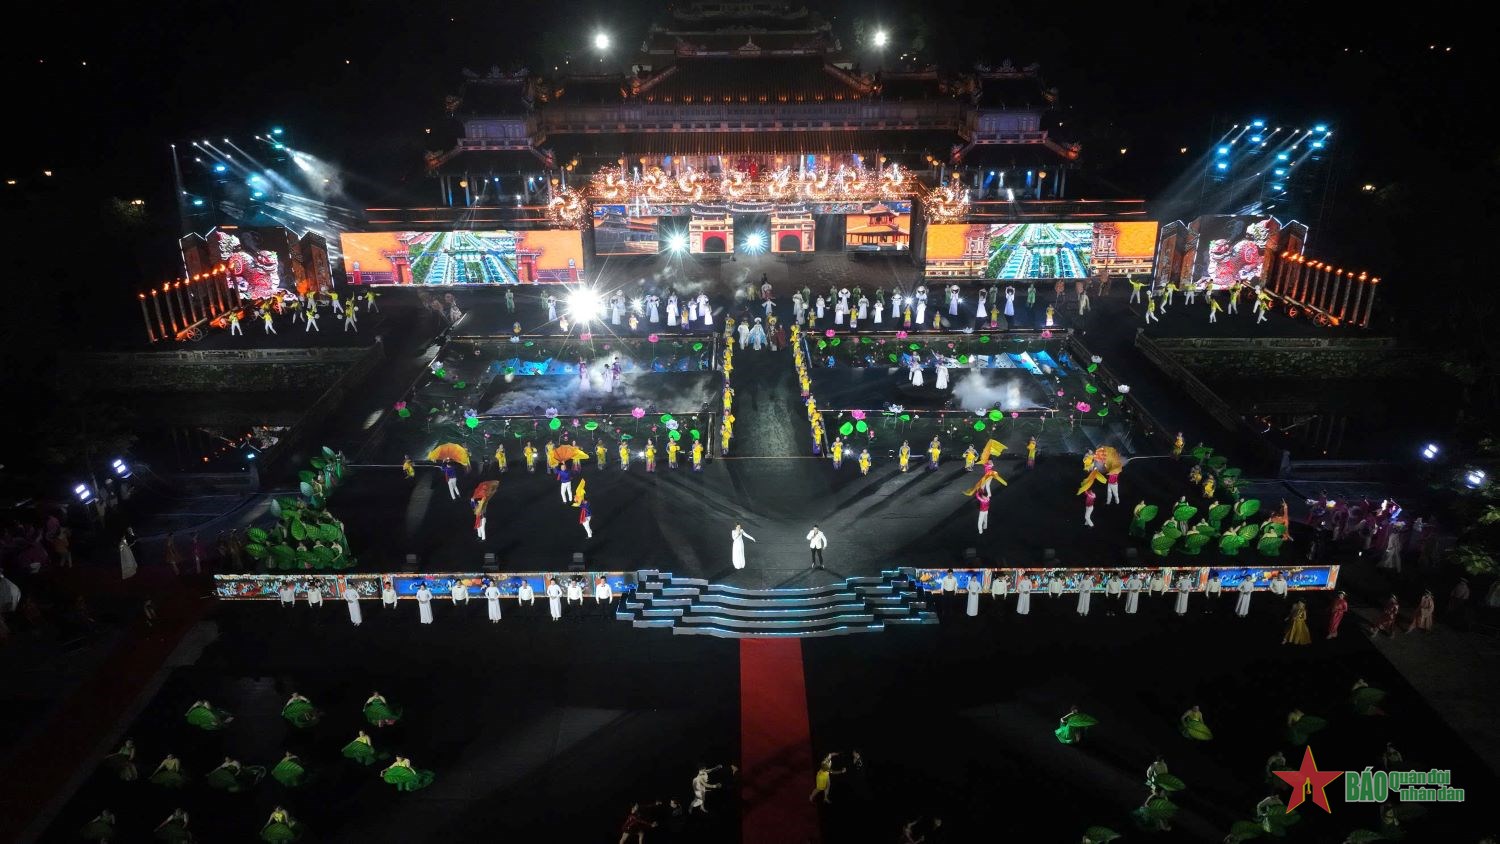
{"points": [[1297, 577], [625, 230], [1036, 251], [266, 587], [879, 227], [463, 257]]}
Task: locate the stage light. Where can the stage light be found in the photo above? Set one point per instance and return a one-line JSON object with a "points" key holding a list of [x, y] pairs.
{"points": [[1223, 150], [1278, 188], [1281, 156], [1320, 128], [1368, 188], [221, 168], [1258, 123], [755, 242], [83, 493], [601, 41], [1475, 478], [1280, 171], [121, 468], [1223, 166], [1430, 451], [258, 194], [677, 242], [46, 172], [1010, 195], [585, 305], [198, 203], [1317, 144], [881, 38], [1183, 150], [276, 130], [1254, 139]]}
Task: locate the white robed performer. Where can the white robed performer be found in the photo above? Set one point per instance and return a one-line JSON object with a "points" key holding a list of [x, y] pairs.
{"points": [[1132, 594], [554, 600], [672, 310], [492, 599], [879, 311], [351, 600], [839, 310], [459, 592], [424, 604], [1010, 301], [616, 309], [737, 554], [1242, 603], [744, 331], [653, 313], [1184, 588], [864, 307], [799, 308], [525, 594], [981, 310], [552, 309], [692, 313], [287, 594], [1000, 587], [896, 304], [388, 595], [314, 595], [127, 559], [916, 372], [921, 308], [974, 589], [953, 300], [819, 305], [704, 310], [942, 374], [1085, 594], [1023, 595]]}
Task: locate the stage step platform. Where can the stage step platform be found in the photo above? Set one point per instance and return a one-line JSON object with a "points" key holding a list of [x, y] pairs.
{"points": [[695, 607]]}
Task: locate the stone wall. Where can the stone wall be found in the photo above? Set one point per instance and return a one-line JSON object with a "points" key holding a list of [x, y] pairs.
{"points": [[240, 371], [1288, 357]]}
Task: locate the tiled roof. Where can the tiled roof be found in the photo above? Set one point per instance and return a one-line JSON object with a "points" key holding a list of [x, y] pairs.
{"points": [[748, 143], [749, 80]]}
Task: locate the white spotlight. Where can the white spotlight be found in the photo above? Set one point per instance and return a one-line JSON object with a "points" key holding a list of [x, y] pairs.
{"points": [[601, 41], [881, 38], [585, 305], [677, 243]]}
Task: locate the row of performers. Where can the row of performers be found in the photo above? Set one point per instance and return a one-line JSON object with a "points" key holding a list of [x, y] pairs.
{"points": [[1114, 585]]}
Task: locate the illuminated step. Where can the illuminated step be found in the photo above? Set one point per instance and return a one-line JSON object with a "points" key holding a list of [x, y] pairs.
{"points": [[722, 633], [788, 612]]}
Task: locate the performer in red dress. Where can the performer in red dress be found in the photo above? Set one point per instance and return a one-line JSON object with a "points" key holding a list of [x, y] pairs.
{"points": [[1387, 621], [1336, 614]]}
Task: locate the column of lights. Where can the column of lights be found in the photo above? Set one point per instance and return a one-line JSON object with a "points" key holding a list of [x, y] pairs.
{"points": [[1322, 287]]}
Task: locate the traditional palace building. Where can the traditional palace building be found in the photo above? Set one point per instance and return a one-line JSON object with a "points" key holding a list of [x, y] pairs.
{"points": [[749, 87]]}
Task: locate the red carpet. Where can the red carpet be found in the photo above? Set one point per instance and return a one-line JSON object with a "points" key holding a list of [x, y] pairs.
{"points": [[776, 755]]}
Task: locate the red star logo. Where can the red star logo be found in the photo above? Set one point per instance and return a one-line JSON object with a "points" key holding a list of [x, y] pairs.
{"points": [[1308, 781]]}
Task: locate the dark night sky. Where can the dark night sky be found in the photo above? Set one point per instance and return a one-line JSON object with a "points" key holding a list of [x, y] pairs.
{"points": [[1130, 76]]}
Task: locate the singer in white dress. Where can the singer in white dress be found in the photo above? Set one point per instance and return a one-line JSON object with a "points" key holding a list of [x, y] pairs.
{"points": [[424, 604], [492, 598], [1023, 595], [739, 536], [351, 598]]}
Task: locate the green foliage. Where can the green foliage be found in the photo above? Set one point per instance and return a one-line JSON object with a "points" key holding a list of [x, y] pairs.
{"points": [[1202, 453], [1230, 474], [1269, 545], [1244, 830], [306, 476], [1184, 512], [256, 534], [1249, 532], [1248, 508], [1217, 513], [298, 530], [282, 557], [1169, 782], [1196, 730], [1161, 544], [1218, 462], [256, 550], [1230, 544], [1100, 835], [1193, 543], [1170, 529], [1147, 513], [307, 489], [1206, 529], [1475, 559]]}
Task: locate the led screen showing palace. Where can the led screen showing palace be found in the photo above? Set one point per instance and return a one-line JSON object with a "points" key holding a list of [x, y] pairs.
{"points": [[625, 230], [463, 257], [879, 227], [1039, 250]]}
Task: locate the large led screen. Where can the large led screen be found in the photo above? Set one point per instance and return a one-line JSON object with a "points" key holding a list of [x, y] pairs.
{"points": [[459, 258], [879, 227], [1039, 250], [623, 230]]}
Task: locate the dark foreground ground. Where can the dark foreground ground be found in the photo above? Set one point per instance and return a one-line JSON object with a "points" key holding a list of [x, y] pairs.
{"points": [[541, 731]]}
